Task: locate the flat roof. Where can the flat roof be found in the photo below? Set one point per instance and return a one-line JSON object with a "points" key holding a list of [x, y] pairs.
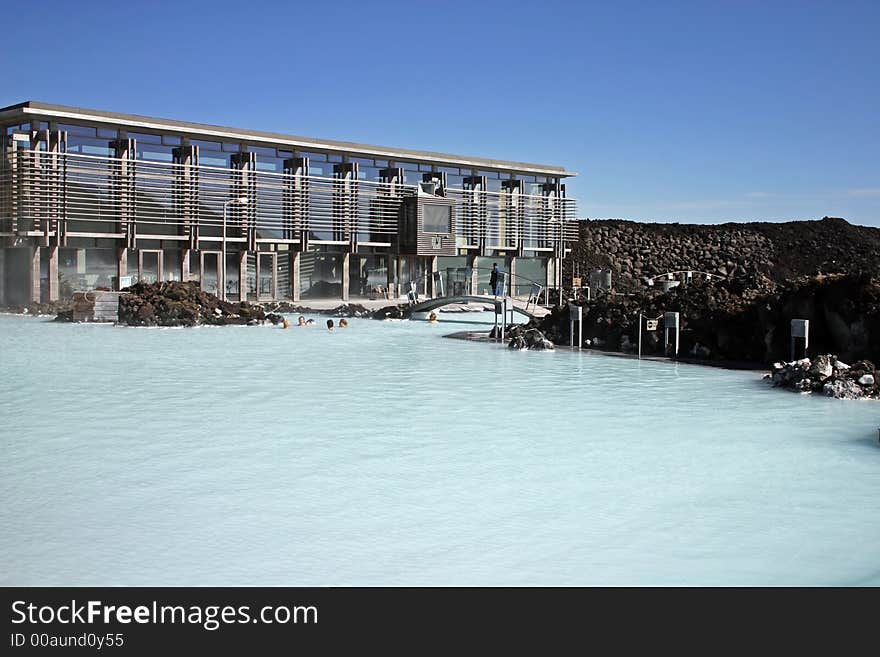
{"points": [[36, 110]]}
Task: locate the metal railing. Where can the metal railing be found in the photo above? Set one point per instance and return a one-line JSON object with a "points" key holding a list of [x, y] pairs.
{"points": [[76, 193]]}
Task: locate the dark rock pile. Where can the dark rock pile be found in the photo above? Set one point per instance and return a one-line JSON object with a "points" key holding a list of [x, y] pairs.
{"points": [[827, 375], [780, 251], [48, 308], [740, 321], [390, 312], [184, 304], [523, 337]]}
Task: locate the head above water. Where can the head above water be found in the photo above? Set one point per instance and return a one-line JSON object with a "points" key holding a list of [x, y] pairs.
{"points": [[301, 321], [343, 323], [329, 324]]}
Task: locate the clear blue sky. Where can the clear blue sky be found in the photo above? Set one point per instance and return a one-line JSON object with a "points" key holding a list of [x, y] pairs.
{"points": [[670, 111]]}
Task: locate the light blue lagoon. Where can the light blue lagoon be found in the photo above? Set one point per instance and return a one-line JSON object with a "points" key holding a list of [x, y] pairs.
{"points": [[385, 454]]}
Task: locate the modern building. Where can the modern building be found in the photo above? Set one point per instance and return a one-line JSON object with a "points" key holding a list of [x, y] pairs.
{"points": [[92, 199]]}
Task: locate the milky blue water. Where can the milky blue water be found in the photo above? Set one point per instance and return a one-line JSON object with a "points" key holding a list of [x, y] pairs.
{"points": [[385, 454]]}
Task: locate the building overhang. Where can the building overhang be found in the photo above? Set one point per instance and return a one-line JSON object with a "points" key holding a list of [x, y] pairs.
{"points": [[33, 110]]}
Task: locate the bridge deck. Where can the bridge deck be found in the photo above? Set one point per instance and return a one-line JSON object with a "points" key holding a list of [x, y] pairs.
{"points": [[533, 312]]}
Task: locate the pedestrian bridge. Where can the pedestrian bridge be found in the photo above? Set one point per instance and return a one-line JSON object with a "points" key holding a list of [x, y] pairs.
{"points": [[530, 310]]}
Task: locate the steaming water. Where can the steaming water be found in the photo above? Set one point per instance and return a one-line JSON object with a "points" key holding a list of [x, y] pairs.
{"points": [[384, 454]]}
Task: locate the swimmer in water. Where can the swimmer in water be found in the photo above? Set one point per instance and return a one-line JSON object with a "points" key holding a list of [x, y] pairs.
{"points": [[432, 318], [329, 324], [310, 322], [301, 321], [343, 323], [285, 323]]}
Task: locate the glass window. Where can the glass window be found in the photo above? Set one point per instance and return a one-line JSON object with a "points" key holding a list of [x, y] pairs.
{"points": [[315, 157], [210, 159], [145, 138], [88, 145], [82, 130], [155, 152], [206, 145], [368, 173], [436, 218], [455, 182], [260, 150]]}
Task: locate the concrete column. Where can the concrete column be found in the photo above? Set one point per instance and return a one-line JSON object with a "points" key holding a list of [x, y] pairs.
{"points": [[433, 268], [35, 274], [390, 268], [242, 276], [2, 277], [54, 287], [511, 268], [474, 287], [295, 287], [184, 264], [551, 279], [121, 264], [345, 266]]}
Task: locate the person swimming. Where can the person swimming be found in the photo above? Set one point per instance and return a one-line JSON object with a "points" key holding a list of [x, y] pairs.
{"points": [[329, 324], [432, 318], [343, 323], [301, 321], [285, 323]]}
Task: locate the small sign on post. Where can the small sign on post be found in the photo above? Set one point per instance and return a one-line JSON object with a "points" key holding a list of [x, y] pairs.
{"points": [[651, 325]]}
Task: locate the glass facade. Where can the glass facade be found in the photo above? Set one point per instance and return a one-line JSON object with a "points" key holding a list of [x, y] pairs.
{"points": [[320, 276], [120, 184]]}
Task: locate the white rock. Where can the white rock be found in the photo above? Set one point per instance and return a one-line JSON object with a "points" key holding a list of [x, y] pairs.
{"points": [[866, 380]]}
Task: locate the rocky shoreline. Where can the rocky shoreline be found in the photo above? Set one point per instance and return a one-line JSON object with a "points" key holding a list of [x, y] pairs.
{"points": [[827, 375], [185, 304]]}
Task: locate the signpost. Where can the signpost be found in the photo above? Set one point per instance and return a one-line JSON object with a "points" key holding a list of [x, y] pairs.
{"points": [[650, 325]]}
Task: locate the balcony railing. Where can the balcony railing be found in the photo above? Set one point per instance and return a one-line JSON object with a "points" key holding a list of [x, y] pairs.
{"points": [[86, 195]]}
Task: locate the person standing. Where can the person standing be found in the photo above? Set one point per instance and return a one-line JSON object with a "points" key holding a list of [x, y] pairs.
{"points": [[494, 281]]}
